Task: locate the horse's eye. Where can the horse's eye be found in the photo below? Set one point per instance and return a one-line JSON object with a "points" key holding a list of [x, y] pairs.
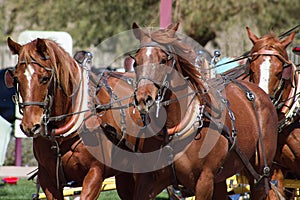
{"points": [[163, 61], [44, 79]]}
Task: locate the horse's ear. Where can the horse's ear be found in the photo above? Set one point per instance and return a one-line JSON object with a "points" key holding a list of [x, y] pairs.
{"points": [[9, 77], [13, 46], [251, 35], [288, 40], [173, 27], [42, 48], [138, 33]]}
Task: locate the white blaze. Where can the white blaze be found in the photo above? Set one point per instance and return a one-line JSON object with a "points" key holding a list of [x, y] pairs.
{"points": [[265, 74], [28, 74], [149, 51]]}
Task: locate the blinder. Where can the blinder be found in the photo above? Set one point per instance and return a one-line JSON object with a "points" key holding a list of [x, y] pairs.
{"points": [[287, 71]]}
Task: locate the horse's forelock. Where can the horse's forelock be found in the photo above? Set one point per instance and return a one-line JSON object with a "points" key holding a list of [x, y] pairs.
{"points": [[270, 41], [184, 53]]}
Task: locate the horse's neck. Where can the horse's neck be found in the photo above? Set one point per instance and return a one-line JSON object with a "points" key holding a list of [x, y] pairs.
{"points": [[71, 106], [61, 104], [173, 115], [180, 114]]}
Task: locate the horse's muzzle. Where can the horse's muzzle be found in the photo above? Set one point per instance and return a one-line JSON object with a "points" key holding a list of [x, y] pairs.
{"points": [[32, 131], [144, 96]]}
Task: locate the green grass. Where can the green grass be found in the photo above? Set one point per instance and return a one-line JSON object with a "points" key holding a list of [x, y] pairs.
{"points": [[24, 189]]}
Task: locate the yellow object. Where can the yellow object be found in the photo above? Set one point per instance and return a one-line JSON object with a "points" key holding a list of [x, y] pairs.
{"points": [[289, 183], [108, 184], [237, 184]]}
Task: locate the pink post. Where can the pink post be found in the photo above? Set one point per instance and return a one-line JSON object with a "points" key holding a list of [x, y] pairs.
{"points": [[18, 152], [165, 13]]}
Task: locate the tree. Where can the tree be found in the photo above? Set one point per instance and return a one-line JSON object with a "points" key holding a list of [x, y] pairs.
{"points": [[223, 23], [91, 21]]}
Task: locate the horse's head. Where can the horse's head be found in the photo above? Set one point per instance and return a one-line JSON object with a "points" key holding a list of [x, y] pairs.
{"points": [[33, 74], [153, 62], [269, 64], [35, 77]]}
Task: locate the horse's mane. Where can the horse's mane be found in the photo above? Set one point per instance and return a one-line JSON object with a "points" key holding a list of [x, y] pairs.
{"points": [[63, 64], [269, 41], [184, 55]]}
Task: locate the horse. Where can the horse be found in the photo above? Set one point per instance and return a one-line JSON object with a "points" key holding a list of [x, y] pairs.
{"points": [[204, 134], [270, 68], [68, 113]]}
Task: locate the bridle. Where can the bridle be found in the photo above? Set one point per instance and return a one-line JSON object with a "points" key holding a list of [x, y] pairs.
{"points": [[162, 77], [286, 64], [158, 81], [47, 103]]}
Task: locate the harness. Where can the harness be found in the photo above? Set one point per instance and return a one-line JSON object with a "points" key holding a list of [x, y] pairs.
{"points": [[201, 115], [231, 135], [266, 170], [114, 99], [65, 133], [290, 107]]}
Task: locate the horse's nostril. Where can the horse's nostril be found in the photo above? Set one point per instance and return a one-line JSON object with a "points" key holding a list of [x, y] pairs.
{"points": [[149, 100]]}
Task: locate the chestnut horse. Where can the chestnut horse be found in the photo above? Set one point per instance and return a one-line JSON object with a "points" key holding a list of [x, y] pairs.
{"points": [[271, 69], [208, 135], [66, 111]]}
